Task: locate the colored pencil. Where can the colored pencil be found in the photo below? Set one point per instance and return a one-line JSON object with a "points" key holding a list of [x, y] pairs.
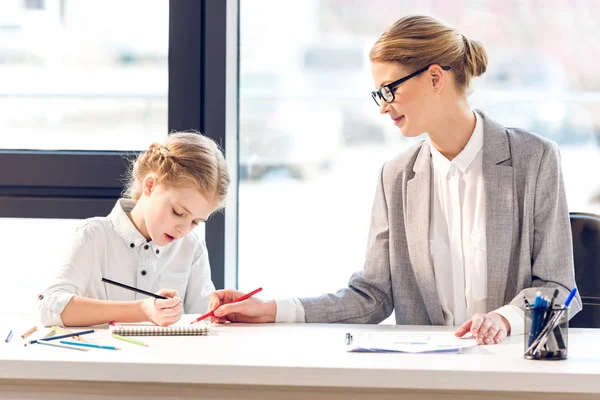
{"points": [[60, 345], [93, 345], [49, 334], [62, 336], [211, 313], [130, 340], [124, 286], [29, 332]]}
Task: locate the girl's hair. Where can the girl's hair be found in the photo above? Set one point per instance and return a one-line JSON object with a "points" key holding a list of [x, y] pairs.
{"points": [[185, 159], [417, 41]]}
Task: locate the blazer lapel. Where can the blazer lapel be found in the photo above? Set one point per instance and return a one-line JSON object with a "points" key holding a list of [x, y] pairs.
{"points": [[417, 233], [498, 181]]}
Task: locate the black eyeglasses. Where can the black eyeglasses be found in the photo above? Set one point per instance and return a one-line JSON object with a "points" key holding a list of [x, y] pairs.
{"points": [[387, 92]]}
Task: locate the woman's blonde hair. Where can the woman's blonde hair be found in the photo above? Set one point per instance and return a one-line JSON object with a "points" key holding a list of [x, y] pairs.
{"points": [[417, 41], [185, 159]]}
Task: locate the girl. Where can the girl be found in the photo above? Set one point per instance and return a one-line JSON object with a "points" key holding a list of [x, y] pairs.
{"points": [[147, 241], [464, 224]]}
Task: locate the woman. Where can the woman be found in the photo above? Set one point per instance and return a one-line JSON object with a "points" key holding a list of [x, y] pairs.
{"points": [[465, 224]]}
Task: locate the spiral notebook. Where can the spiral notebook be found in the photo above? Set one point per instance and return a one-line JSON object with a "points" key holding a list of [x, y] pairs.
{"points": [[149, 329]]}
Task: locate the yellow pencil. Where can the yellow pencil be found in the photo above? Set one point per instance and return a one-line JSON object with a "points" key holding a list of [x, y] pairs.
{"points": [[128, 339], [51, 333]]}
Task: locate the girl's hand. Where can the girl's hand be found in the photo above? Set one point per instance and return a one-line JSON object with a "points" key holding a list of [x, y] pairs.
{"points": [[249, 310], [489, 328], [163, 312]]}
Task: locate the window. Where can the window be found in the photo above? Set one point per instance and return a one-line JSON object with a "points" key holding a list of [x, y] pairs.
{"points": [[312, 141], [78, 81], [33, 251], [83, 75]]}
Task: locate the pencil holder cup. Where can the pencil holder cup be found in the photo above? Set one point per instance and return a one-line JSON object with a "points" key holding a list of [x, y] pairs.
{"points": [[546, 333]]}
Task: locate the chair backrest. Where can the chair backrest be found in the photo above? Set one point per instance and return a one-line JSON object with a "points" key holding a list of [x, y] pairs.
{"points": [[586, 253]]}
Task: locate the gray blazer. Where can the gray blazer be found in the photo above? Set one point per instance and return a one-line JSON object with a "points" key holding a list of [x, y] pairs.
{"points": [[528, 235]]}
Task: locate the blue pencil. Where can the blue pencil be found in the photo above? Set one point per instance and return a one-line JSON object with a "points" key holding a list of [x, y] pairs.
{"points": [[95, 346], [68, 335], [9, 336]]}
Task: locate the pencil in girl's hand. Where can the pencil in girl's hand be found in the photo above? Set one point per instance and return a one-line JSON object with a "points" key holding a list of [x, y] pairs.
{"points": [[134, 289], [130, 340], [29, 332]]}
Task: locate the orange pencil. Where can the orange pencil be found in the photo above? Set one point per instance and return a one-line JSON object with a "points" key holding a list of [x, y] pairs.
{"points": [[244, 297], [29, 332]]}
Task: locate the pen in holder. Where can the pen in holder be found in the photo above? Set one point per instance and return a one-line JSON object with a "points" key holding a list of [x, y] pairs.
{"points": [[546, 332], [547, 328]]}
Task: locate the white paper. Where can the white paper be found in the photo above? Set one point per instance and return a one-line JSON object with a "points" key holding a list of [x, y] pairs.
{"points": [[409, 342]]}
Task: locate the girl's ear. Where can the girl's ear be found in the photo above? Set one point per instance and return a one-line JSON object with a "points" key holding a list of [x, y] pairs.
{"points": [[149, 184]]}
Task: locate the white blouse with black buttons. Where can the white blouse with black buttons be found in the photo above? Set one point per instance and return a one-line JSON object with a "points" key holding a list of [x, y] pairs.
{"points": [[111, 247]]}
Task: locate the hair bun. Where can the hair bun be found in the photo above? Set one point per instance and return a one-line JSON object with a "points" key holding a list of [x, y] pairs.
{"points": [[159, 150], [475, 57]]}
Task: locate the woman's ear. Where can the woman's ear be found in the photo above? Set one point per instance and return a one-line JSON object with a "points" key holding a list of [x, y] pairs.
{"points": [[437, 77], [149, 184]]}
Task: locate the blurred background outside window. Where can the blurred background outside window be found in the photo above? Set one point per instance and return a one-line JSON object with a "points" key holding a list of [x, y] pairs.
{"points": [[83, 74], [312, 141]]}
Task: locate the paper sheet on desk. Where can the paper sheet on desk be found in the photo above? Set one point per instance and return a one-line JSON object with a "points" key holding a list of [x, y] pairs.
{"points": [[407, 342]]}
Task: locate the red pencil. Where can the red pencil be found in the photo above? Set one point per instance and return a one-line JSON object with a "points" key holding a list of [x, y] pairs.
{"points": [[244, 297]]}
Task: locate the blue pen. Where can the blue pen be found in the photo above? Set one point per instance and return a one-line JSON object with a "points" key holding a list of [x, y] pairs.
{"points": [[95, 346], [570, 298], [541, 316], [534, 319]]}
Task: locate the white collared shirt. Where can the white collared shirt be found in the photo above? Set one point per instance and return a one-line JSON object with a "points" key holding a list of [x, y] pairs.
{"points": [[457, 229], [111, 247], [457, 244]]}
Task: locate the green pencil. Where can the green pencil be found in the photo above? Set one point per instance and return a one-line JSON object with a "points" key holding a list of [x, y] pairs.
{"points": [[128, 339]]}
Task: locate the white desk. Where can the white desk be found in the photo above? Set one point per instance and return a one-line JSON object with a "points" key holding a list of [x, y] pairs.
{"points": [[289, 361]]}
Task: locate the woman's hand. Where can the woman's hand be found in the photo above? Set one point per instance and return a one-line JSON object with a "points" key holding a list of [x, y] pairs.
{"points": [[489, 328], [163, 312], [250, 310]]}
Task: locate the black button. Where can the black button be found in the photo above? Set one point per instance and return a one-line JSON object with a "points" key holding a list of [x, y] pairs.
{"points": [[143, 272], [41, 297], [157, 251], [146, 247], [132, 245]]}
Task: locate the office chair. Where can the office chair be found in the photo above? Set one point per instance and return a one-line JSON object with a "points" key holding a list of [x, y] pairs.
{"points": [[585, 228]]}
